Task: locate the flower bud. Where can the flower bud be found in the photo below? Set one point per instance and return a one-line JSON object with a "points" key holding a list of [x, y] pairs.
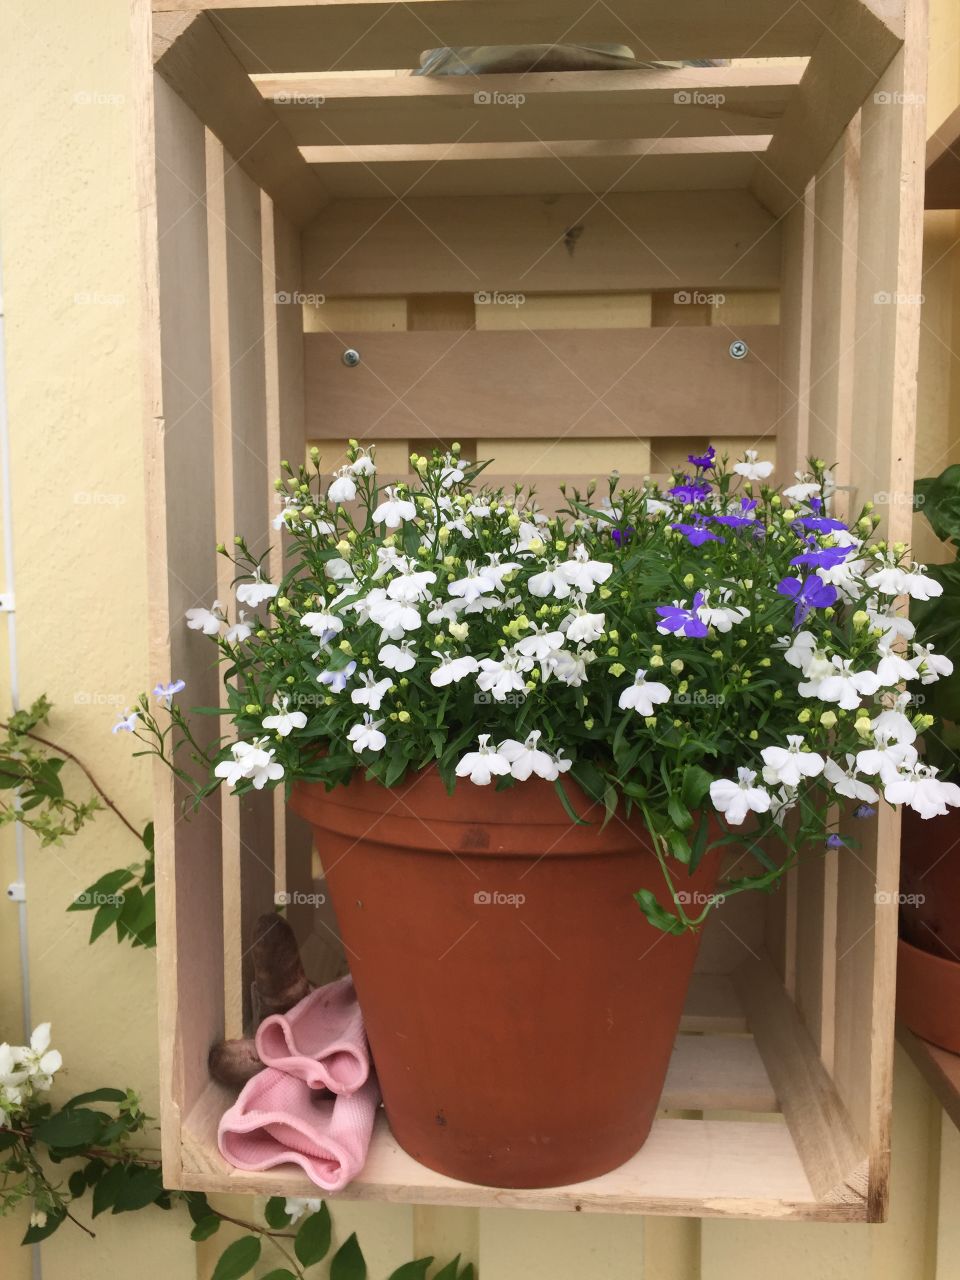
{"points": [[535, 545], [804, 715], [924, 722], [459, 630], [753, 735], [676, 666], [403, 717], [443, 535], [251, 708], [688, 580], [514, 522], [617, 669], [860, 619], [863, 726], [656, 660], [789, 514], [828, 719], [588, 724], [345, 647], [343, 546], [605, 593]]}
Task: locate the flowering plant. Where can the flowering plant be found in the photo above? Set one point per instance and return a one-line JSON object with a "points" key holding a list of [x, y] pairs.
{"points": [[713, 645]]}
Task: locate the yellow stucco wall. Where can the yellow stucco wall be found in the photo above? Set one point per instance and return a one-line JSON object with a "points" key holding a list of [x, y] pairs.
{"points": [[72, 276]]}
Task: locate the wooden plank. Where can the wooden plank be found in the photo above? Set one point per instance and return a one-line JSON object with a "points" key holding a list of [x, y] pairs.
{"points": [[571, 244], [885, 373], [182, 574], [854, 50], [717, 1073], [375, 34], [713, 1005], [349, 109], [833, 1156], [563, 311], [610, 383], [194, 60], [535, 168], [942, 190], [940, 1069], [796, 336], [687, 1167], [238, 400]]}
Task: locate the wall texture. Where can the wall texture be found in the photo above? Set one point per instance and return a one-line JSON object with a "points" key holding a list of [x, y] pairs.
{"points": [[73, 279]]}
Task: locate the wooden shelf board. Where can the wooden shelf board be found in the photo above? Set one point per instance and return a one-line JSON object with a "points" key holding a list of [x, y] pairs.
{"points": [[942, 189], [939, 1068]]}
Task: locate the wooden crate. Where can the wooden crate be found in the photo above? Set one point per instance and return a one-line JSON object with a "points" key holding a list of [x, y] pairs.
{"points": [[300, 202]]}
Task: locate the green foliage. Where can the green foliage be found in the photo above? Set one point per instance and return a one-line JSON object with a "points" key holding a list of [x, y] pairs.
{"points": [[938, 620], [348, 1262], [238, 1258], [313, 1238], [31, 790]]}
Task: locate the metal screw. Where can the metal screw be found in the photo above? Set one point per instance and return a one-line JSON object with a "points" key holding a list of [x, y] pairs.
{"points": [[738, 349], [351, 358]]}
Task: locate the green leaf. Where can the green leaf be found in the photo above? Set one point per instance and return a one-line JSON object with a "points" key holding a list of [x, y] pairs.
{"points": [[467, 1272], [280, 1274], [197, 1205], [106, 915], [658, 915], [75, 1127], [450, 1271], [8, 1140], [313, 1237], [77, 1183], [105, 887], [35, 1234], [107, 1189], [275, 1214], [679, 846], [695, 786], [147, 837], [237, 1259], [680, 816], [96, 1095], [348, 1262], [699, 846], [205, 1228], [140, 1188], [412, 1270]]}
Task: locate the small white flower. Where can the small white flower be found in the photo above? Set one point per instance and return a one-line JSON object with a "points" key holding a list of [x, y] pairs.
{"points": [[165, 693], [722, 617], [541, 643], [551, 581], [790, 764], [800, 649], [284, 722], [393, 617], [500, 678], [930, 666], [322, 625], [842, 685], [240, 631], [751, 469], [394, 510], [367, 736], [736, 799], [250, 761], [256, 591], [38, 1218], [802, 491], [894, 580], [127, 722], [483, 765], [398, 657], [893, 667], [370, 692], [337, 569], [411, 588], [527, 757], [894, 723], [336, 681], [643, 695], [296, 1206], [39, 1060], [583, 573], [476, 583], [845, 782], [922, 791], [206, 620], [343, 488], [569, 668], [363, 465], [886, 758], [582, 625], [452, 670]]}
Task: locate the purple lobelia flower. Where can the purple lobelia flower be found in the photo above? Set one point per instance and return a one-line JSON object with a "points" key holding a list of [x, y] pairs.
{"points": [[812, 593], [834, 841], [823, 557], [734, 521], [820, 524], [679, 621], [690, 490], [864, 811], [703, 461], [698, 533], [622, 536]]}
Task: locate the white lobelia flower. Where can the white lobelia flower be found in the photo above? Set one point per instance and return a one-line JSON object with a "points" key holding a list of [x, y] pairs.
{"points": [[930, 666], [452, 472], [389, 559], [256, 591], [886, 758], [322, 625], [477, 582], [398, 657], [206, 620], [393, 617], [13, 1077], [894, 580], [541, 643], [483, 765], [919, 788], [569, 668], [411, 588], [127, 722], [893, 666], [751, 469], [343, 488], [845, 782], [722, 617], [504, 676], [38, 1060], [799, 649], [296, 1206], [497, 571], [250, 761], [336, 681], [781, 802], [551, 581], [803, 491], [842, 685], [643, 695], [528, 757], [583, 573], [363, 465], [580, 624], [367, 736], [452, 670], [893, 721], [337, 569], [370, 692], [891, 624], [240, 631], [736, 799], [284, 722], [790, 764], [394, 510]]}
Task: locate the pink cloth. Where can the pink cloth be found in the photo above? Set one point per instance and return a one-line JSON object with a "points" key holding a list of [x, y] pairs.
{"points": [[320, 1040], [314, 1103]]}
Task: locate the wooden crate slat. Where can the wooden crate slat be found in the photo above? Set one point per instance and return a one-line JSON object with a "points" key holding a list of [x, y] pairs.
{"points": [[796, 333], [855, 48], [515, 244], [190, 54], [717, 1073], [713, 1005], [342, 108], [375, 34], [563, 382], [642, 149]]}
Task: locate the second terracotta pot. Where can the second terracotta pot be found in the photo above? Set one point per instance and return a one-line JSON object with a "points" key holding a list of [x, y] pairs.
{"points": [[521, 1012]]}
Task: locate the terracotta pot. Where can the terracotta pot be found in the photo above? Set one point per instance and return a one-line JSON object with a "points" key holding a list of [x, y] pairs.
{"points": [[521, 1011], [928, 996]]}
